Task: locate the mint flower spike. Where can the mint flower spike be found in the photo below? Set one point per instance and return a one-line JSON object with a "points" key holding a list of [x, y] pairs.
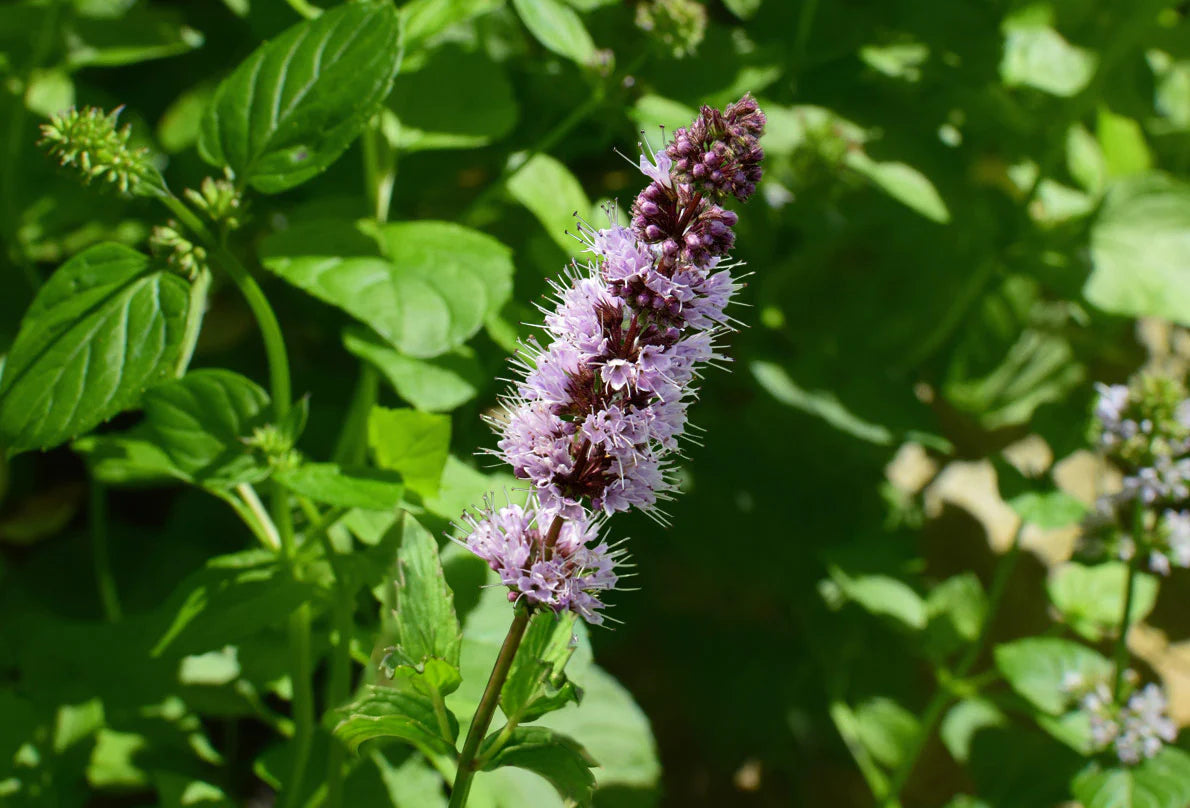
{"points": [[601, 402], [90, 142], [571, 573]]}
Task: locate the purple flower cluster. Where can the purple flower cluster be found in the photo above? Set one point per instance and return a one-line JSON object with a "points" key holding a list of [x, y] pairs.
{"points": [[561, 571], [602, 401]]}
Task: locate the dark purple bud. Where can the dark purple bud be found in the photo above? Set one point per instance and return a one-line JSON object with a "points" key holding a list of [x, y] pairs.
{"points": [[643, 299]]}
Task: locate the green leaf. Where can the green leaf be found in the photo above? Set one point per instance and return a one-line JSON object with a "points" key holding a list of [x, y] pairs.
{"points": [[964, 721], [774, 380], [1036, 667], [201, 422], [903, 183], [886, 729], [1162, 781], [232, 597], [414, 444], [1085, 160], [373, 489], [1037, 56], [1048, 509], [49, 92], [432, 385], [1139, 249], [455, 100], [884, 596], [1092, 598], [293, 106], [426, 287], [744, 9], [536, 684], [144, 33], [1125, 151], [553, 195], [425, 616], [424, 19], [106, 326], [558, 28], [388, 712], [557, 758], [956, 609], [126, 460], [181, 123]]}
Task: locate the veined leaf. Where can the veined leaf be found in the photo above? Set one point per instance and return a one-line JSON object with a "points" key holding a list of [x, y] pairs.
{"points": [[536, 684], [425, 617], [426, 287], [389, 712], [559, 759], [107, 325], [372, 489], [293, 106]]}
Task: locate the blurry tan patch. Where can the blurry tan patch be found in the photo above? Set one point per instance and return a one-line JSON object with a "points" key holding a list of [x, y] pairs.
{"points": [[911, 468], [1171, 661], [1030, 455]]}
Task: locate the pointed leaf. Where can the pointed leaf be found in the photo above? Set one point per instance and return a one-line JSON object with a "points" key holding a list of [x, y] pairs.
{"points": [[557, 758], [387, 712], [425, 618], [557, 27], [373, 489], [293, 106], [106, 326], [536, 684]]}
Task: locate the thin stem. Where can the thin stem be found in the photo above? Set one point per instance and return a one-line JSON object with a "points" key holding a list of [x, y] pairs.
{"points": [[380, 170], [944, 695], [487, 707], [1121, 647], [99, 552], [805, 22], [263, 523], [266, 320], [352, 446]]}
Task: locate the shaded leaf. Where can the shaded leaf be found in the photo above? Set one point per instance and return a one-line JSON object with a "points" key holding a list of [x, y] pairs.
{"points": [[439, 384], [425, 617], [557, 758], [536, 684], [903, 183], [386, 712], [362, 487]]}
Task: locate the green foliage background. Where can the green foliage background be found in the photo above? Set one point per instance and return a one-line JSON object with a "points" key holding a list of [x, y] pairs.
{"points": [[966, 206]]}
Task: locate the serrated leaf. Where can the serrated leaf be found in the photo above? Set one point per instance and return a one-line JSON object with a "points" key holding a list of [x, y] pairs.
{"points": [[296, 103], [536, 684], [1038, 669], [425, 618], [426, 287], [1091, 598], [1162, 781], [557, 27], [201, 421], [559, 759], [373, 489], [455, 100], [106, 326], [387, 712], [411, 443], [439, 384], [553, 195], [1140, 249]]}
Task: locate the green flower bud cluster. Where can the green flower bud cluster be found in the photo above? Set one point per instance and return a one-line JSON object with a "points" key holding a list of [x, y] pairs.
{"points": [[276, 445], [677, 25], [186, 257], [220, 201], [89, 141], [1144, 422]]}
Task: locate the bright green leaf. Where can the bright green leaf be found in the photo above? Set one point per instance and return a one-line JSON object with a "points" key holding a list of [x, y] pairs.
{"points": [[106, 326], [536, 684], [884, 596], [558, 28], [1040, 668], [1049, 509], [414, 444], [553, 195], [424, 19], [1038, 56], [1125, 151], [964, 721], [903, 183], [146, 32], [294, 105], [956, 609], [432, 385], [1092, 598], [425, 616], [1162, 781], [886, 729], [557, 758]]}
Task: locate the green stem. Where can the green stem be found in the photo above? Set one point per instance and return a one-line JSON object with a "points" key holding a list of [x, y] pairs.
{"points": [[352, 446], [848, 726], [1121, 647], [805, 22], [944, 695], [487, 707], [380, 170], [99, 551]]}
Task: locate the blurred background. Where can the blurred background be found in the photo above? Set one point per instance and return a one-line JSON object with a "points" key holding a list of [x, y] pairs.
{"points": [[972, 210]]}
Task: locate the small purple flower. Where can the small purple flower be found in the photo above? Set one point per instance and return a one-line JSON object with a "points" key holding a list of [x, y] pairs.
{"points": [[571, 574]]}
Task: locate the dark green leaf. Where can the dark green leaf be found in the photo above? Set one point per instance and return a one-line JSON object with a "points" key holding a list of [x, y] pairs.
{"points": [[362, 487], [1038, 668], [145, 32], [106, 326], [956, 609], [425, 617], [903, 183], [555, 757], [293, 106], [1162, 781], [414, 444], [387, 712], [536, 684]]}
